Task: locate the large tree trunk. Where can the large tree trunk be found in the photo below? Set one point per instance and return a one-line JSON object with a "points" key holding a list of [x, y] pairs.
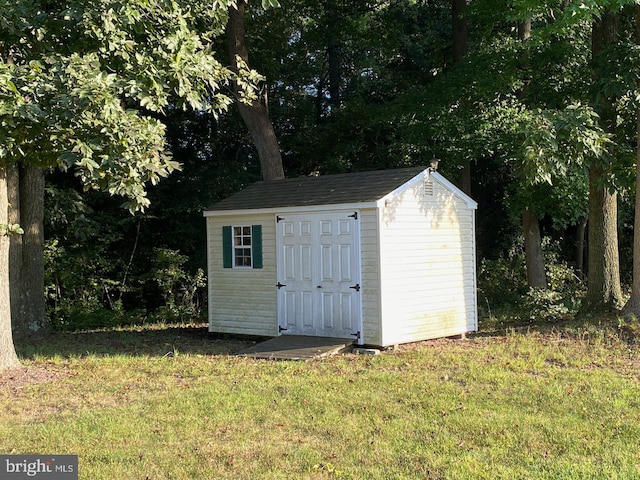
{"points": [[15, 245], [26, 268], [536, 275], [632, 308], [8, 357], [256, 115], [603, 278]]}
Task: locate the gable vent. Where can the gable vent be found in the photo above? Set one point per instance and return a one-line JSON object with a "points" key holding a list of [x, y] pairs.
{"points": [[427, 187]]}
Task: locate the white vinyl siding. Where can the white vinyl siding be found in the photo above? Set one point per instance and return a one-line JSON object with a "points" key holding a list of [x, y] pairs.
{"points": [[427, 266], [242, 300], [370, 264]]}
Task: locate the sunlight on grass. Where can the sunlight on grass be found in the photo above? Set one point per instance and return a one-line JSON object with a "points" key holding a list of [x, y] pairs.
{"points": [[516, 406]]}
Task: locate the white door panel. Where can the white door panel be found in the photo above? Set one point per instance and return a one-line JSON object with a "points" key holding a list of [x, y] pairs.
{"points": [[318, 270]]}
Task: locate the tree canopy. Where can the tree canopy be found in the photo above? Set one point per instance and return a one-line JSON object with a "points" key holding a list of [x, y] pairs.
{"points": [[82, 85]]}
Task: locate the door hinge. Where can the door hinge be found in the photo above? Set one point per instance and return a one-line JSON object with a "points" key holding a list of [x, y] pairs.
{"points": [[356, 287], [354, 216], [278, 218], [280, 285], [282, 329], [357, 335]]}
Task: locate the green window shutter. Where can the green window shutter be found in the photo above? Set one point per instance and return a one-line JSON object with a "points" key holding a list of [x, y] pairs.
{"points": [[227, 247], [256, 242]]}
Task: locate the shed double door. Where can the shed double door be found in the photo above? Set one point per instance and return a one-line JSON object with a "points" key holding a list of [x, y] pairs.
{"points": [[318, 270]]}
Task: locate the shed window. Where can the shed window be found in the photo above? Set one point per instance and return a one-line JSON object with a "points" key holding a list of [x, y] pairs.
{"points": [[242, 246]]}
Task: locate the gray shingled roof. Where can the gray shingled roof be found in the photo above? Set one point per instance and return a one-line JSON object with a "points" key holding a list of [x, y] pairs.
{"points": [[358, 187]]}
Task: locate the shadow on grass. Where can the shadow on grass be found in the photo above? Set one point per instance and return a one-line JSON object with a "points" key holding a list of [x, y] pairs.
{"points": [[158, 341], [194, 339]]}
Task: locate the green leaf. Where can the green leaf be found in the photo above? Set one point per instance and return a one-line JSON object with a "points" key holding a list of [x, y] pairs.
{"points": [[10, 229]]}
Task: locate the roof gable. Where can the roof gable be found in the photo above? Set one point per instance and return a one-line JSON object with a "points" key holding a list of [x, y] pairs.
{"points": [[470, 202], [358, 187]]}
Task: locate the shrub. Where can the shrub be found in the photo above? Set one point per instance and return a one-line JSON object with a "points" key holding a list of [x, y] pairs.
{"points": [[182, 292], [72, 317], [502, 282], [85, 291], [503, 289]]}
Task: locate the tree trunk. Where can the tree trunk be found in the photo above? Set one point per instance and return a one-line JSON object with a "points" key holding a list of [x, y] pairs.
{"points": [[319, 101], [536, 272], [459, 29], [460, 40], [26, 253], [604, 292], [256, 115], [603, 277], [465, 177], [524, 29], [580, 233], [15, 246], [335, 72], [8, 357], [632, 308], [536, 275]]}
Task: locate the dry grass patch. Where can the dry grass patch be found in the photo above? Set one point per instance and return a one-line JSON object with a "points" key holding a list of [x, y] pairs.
{"points": [[15, 379]]}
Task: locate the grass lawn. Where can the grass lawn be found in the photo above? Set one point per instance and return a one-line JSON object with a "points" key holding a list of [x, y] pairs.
{"points": [[170, 403]]}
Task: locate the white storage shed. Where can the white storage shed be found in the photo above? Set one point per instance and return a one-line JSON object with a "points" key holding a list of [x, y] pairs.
{"points": [[382, 257]]}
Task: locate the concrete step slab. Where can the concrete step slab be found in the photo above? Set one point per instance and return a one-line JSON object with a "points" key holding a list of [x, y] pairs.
{"points": [[297, 347]]}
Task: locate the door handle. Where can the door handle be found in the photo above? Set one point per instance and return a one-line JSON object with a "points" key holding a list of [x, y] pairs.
{"points": [[319, 286]]}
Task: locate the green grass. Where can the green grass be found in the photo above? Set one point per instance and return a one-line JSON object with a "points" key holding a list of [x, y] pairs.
{"points": [[169, 403]]}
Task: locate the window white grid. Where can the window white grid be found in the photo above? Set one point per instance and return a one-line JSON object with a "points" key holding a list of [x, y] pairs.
{"points": [[242, 247]]}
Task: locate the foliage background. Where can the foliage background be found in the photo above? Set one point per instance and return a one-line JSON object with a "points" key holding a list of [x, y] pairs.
{"points": [[527, 128]]}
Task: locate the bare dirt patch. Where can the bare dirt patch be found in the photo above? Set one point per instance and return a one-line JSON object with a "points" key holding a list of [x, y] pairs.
{"points": [[14, 380]]}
